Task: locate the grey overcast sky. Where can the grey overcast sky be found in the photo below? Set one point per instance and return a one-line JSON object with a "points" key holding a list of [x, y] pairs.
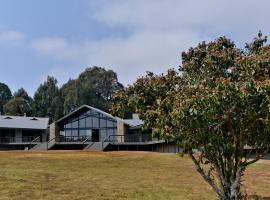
{"points": [[63, 37]]}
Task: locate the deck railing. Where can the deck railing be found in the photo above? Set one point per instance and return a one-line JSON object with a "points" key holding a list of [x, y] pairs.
{"points": [[132, 138], [10, 140], [82, 139], [7, 139]]}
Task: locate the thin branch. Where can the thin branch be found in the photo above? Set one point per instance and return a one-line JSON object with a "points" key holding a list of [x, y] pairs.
{"points": [[258, 157]]}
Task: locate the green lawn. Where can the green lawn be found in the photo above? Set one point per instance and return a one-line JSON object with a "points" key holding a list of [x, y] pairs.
{"points": [[113, 175]]}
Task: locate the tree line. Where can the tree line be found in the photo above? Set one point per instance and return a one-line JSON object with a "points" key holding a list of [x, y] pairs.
{"points": [[94, 87]]}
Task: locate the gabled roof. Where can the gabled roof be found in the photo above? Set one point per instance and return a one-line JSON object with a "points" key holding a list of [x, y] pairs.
{"points": [[16, 122], [129, 122], [83, 107]]}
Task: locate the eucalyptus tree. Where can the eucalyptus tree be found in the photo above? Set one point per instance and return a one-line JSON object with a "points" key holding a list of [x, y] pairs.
{"points": [[19, 104], [47, 100], [94, 87], [5, 96]]}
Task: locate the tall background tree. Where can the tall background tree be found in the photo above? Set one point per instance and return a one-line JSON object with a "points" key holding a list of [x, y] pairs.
{"points": [[47, 101], [19, 104], [5, 96], [94, 87], [217, 109]]}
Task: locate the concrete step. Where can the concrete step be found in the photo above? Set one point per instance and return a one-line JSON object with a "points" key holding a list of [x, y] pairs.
{"points": [[96, 146], [42, 146]]}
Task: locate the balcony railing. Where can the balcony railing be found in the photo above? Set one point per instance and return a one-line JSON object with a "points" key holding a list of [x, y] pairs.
{"points": [[132, 138], [10, 140], [72, 139]]}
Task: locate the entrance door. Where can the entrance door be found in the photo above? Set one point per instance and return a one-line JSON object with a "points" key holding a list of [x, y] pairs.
{"points": [[95, 135]]}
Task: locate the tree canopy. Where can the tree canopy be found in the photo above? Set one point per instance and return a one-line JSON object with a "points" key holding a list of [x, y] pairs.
{"points": [[94, 87], [47, 101], [19, 104], [216, 108], [5, 95]]}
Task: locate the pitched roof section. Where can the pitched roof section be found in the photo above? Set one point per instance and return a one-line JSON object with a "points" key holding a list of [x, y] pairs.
{"points": [[129, 122], [90, 108], [16, 122]]}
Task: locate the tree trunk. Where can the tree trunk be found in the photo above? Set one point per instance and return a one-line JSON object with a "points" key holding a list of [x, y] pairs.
{"points": [[232, 191]]}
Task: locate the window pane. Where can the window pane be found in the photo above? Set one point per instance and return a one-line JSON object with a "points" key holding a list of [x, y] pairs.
{"points": [[68, 133], [75, 124], [88, 122], [68, 125], [95, 122], [74, 132], [103, 134], [103, 123], [88, 133], [111, 132], [82, 132], [82, 123], [110, 123], [62, 133]]}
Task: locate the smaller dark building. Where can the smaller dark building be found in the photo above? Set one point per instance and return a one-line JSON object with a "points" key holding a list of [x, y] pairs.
{"points": [[18, 132]]}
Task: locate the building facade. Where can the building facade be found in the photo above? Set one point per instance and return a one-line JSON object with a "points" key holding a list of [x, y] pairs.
{"points": [[89, 122], [18, 132], [86, 128]]}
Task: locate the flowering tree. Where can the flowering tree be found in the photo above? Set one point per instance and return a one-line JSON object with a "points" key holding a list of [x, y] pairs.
{"points": [[217, 109]]}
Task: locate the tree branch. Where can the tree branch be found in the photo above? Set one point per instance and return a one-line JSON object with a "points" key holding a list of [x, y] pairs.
{"points": [[258, 157], [205, 177]]}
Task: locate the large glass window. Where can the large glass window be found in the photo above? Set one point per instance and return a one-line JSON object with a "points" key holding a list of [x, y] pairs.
{"points": [[84, 125]]}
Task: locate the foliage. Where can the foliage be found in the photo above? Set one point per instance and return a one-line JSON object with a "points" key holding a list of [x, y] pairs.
{"points": [[47, 100], [151, 97], [5, 95], [69, 94], [217, 108], [94, 87], [19, 104]]}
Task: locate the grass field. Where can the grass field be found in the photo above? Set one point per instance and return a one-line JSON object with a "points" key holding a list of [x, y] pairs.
{"points": [[113, 175]]}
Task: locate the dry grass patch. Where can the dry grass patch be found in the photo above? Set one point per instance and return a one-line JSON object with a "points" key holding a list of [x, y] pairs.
{"points": [[112, 175]]}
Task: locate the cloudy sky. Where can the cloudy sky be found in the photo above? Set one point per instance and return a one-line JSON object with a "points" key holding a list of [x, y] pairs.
{"points": [[63, 37]]}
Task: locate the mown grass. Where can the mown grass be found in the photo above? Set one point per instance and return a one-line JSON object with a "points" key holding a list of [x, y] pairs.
{"points": [[112, 175]]}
